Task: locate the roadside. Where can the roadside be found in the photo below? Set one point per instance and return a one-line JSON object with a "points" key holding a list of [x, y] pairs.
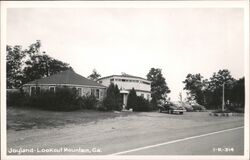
{"points": [[124, 131]]}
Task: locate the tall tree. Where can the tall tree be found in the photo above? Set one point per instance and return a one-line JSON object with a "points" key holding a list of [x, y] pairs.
{"points": [[159, 86], [237, 94], [14, 66], [214, 90], [209, 92], [196, 86], [132, 99], [113, 99], [30, 64], [39, 64], [94, 75]]}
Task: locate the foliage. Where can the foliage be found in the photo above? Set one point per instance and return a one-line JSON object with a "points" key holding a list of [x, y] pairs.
{"points": [[14, 59], [142, 105], [18, 98], [132, 98], [196, 86], [88, 102], [39, 65], [94, 75], [64, 99], [30, 64], [237, 94], [209, 92], [138, 103], [159, 88], [113, 99]]}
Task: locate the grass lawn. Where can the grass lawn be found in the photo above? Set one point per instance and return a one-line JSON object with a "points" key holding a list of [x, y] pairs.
{"points": [[28, 118]]}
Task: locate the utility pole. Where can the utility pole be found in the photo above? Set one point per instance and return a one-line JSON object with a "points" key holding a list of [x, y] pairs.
{"points": [[223, 97]]}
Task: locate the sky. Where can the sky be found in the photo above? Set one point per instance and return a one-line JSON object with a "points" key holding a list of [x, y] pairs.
{"points": [[133, 40]]}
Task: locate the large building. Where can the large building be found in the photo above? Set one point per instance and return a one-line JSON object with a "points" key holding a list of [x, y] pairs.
{"points": [[126, 82], [68, 79]]}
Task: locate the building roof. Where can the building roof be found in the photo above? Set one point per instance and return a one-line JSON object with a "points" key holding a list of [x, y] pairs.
{"points": [[68, 77], [125, 76]]}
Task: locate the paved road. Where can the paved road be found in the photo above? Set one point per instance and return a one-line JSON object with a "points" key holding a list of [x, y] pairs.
{"points": [[120, 138], [225, 142]]}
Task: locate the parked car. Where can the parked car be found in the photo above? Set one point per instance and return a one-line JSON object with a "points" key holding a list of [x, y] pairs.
{"points": [[186, 105], [171, 108]]}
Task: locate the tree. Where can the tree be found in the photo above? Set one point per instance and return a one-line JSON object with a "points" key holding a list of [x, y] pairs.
{"points": [[214, 90], [39, 65], [159, 88], [113, 99], [131, 99], [196, 86], [94, 75], [237, 95], [14, 66]]}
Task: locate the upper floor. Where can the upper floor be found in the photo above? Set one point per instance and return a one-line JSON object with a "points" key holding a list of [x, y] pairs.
{"points": [[126, 82]]}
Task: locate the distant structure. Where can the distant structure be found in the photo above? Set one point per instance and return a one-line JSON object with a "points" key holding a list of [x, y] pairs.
{"points": [[126, 82], [68, 79]]}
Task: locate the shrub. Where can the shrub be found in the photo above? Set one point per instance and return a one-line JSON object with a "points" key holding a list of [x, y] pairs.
{"points": [[100, 106], [113, 99], [154, 103], [17, 98], [64, 99], [236, 109], [220, 111], [142, 105], [132, 98], [88, 102]]}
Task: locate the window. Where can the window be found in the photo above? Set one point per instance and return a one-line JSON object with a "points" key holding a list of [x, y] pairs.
{"points": [[52, 89], [37, 90], [79, 91], [34, 90], [92, 92], [101, 94], [97, 93], [142, 95], [100, 82], [111, 80]]}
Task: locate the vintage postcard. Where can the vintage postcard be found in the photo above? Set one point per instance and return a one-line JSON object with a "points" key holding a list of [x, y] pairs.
{"points": [[124, 80]]}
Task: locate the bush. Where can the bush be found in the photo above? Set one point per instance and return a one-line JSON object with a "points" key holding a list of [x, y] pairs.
{"points": [[88, 102], [17, 98], [154, 103], [113, 100], [100, 106], [132, 98], [142, 105], [236, 109], [220, 111], [64, 99]]}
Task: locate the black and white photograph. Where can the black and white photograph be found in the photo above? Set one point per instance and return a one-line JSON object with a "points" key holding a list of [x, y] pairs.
{"points": [[125, 80]]}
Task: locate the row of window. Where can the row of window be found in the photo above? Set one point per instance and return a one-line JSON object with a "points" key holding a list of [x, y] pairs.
{"points": [[94, 92], [128, 80]]}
